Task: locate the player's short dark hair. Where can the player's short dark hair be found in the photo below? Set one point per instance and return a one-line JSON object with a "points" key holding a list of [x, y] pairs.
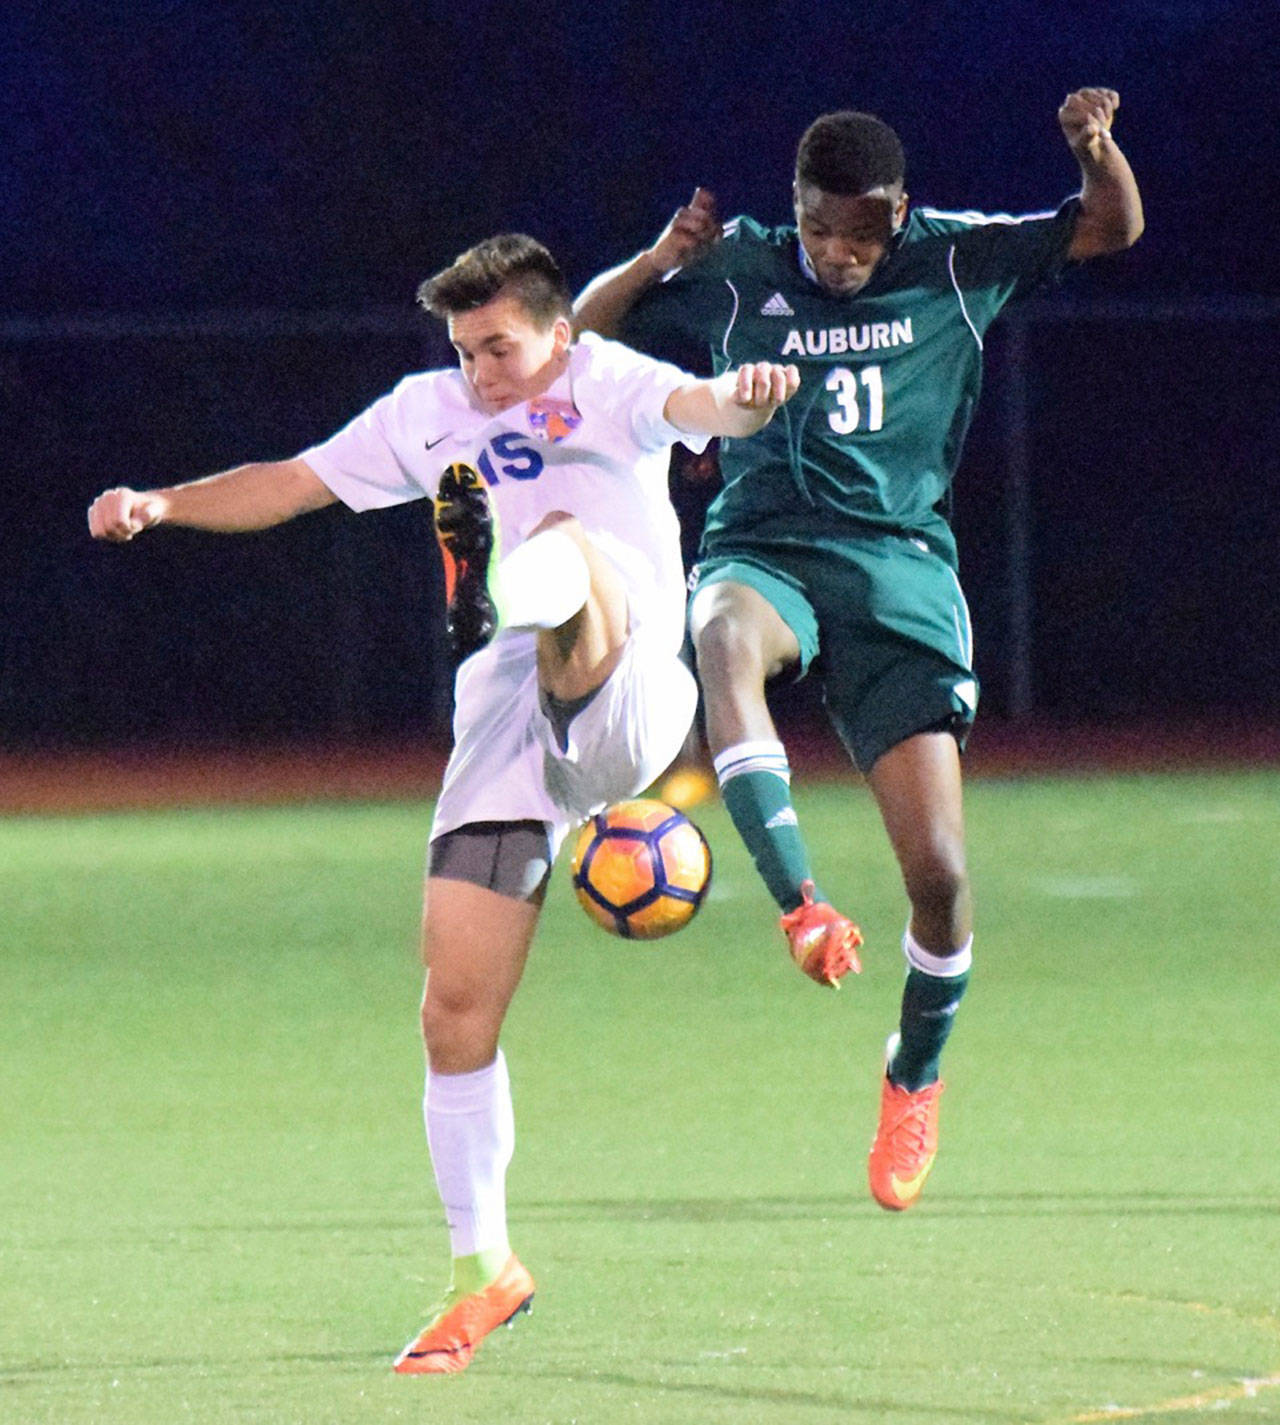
{"points": [[511, 263], [850, 152]]}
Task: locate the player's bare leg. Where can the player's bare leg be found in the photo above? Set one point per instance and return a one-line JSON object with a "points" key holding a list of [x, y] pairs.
{"points": [[741, 641], [917, 785], [475, 943], [578, 654]]}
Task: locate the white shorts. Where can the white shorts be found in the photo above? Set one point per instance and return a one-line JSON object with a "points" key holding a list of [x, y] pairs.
{"points": [[506, 764]]}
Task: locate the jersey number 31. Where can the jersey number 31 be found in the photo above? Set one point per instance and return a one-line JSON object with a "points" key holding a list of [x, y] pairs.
{"points": [[847, 417]]}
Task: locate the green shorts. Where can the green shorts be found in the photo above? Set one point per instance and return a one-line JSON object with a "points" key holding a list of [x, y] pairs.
{"points": [[882, 620]]}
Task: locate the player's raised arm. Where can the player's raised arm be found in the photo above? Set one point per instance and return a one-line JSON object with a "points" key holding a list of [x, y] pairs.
{"points": [[249, 497], [606, 299], [737, 403], [1110, 217]]}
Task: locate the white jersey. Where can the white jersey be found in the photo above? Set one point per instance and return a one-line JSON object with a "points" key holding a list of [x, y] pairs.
{"points": [[596, 445]]}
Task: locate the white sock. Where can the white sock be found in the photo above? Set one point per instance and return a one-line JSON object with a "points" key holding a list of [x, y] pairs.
{"points": [[471, 1134], [543, 582], [760, 756], [942, 967]]}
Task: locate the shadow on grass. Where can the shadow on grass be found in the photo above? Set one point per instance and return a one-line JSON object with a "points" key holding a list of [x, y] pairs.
{"points": [[29, 1372], [846, 1403], [939, 1205]]}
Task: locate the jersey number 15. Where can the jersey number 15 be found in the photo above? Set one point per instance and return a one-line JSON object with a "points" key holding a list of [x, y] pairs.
{"points": [[848, 415]]}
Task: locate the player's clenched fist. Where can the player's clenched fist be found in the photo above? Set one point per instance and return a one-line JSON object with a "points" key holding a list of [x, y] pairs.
{"points": [[1085, 117], [765, 385], [120, 513], [694, 228]]}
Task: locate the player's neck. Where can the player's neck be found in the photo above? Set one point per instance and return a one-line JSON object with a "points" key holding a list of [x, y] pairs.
{"points": [[538, 385]]}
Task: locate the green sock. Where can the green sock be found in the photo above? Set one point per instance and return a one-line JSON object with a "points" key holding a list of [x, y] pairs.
{"points": [[477, 1271], [929, 1004], [755, 784]]}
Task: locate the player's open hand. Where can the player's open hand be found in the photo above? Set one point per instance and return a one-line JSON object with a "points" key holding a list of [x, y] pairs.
{"points": [[1085, 117], [120, 513], [694, 228], [765, 385]]}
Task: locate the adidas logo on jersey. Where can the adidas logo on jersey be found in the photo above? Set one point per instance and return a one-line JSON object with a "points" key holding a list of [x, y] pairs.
{"points": [[784, 816], [777, 306]]}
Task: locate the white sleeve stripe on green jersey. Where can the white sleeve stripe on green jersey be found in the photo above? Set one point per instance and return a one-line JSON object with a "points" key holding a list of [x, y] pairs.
{"points": [[963, 623], [733, 317], [964, 311], [974, 219]]}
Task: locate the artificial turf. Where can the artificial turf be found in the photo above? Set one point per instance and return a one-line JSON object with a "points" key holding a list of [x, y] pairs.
{"points": [[215, 1201]]}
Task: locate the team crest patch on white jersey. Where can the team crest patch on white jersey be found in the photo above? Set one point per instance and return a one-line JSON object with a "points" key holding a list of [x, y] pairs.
{"points": [[553, 420], [777, 306]]}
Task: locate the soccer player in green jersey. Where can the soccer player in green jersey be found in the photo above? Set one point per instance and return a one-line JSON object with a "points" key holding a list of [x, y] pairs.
{"points": [[829, 544]]}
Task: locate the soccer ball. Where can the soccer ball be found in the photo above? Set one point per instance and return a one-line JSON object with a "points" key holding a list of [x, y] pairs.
{"points": [[641, 869]]}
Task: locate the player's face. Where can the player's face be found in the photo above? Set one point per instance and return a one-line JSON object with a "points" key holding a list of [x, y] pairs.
{"points": [[506, 357], [846, 234]]}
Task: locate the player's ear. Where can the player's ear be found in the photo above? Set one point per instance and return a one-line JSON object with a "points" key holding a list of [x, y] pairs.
{"points": [[900, 213], [562, 333]]}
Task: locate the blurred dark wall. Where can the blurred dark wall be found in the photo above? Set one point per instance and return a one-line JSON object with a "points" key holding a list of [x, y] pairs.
{"points": [[171, 159], [168, 153]]}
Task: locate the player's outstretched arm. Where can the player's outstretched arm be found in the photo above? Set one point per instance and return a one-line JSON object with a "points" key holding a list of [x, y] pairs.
{"points": [[606, 299], [246, 498], [1110, 217], [737, 403]]}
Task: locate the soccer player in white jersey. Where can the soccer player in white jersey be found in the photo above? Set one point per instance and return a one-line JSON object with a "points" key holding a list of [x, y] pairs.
{"points": [[547, 462]]}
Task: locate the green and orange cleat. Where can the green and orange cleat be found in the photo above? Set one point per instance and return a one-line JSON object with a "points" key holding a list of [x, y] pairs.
{"points": [[448, 1342], [465, 529], [906, 1141], [823, 942]]}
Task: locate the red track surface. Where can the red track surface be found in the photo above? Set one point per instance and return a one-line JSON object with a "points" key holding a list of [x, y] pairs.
{"points": [[111, 779]]}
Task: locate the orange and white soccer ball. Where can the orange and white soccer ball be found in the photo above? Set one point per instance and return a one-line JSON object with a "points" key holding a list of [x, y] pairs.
{"points": [[641, 869]]}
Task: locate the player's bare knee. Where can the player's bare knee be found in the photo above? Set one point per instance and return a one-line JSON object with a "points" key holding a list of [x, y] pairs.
{"points": [[727, 653], [937, 886], [452, 1019]]}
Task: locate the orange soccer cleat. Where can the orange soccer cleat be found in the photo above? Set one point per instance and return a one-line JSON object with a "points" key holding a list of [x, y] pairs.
{"points": [[823, 942], [906, 1141], [448, 1343], [464, 524]]}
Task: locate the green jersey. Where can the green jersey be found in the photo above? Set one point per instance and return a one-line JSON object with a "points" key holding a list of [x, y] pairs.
{"points": [[888, 375]]}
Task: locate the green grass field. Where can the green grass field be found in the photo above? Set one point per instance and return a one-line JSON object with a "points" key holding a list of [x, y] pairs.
{"points": [[215, 1201]]}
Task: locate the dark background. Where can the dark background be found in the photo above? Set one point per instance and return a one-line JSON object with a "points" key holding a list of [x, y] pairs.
{"points": [[214, 218]]}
